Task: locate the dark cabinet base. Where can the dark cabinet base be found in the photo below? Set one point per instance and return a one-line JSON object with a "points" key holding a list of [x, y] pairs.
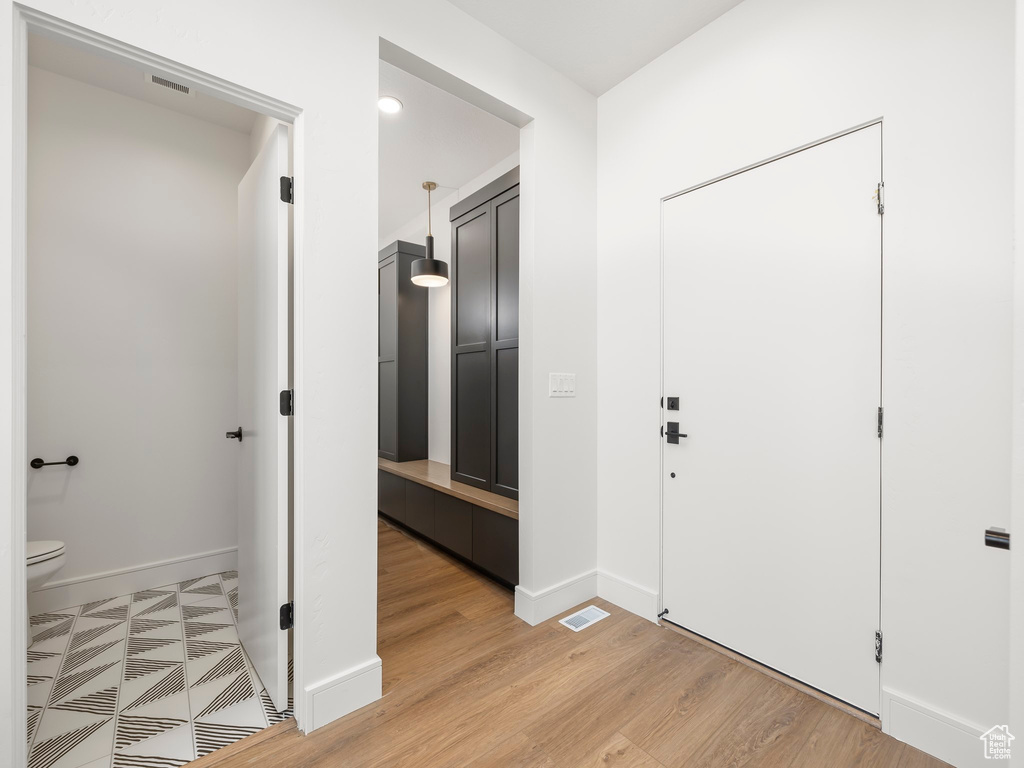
{"points": [[453, 524], [487, 540], [491, 533]]}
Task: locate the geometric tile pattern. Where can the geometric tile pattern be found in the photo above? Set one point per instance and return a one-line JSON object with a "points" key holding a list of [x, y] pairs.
{"points": [[153, 679]]}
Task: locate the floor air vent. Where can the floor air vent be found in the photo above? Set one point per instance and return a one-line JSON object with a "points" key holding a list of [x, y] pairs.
{"points": [[584, 618]]}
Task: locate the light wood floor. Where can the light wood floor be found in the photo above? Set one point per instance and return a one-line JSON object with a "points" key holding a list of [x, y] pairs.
{"points": [[467, 683]]}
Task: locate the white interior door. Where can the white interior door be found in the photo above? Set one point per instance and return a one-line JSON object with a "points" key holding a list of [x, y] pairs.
{"points": [[262, 374], [772, 343]]}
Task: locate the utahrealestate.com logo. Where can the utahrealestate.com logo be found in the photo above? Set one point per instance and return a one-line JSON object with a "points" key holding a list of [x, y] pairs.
{"points": [[997, 742]]}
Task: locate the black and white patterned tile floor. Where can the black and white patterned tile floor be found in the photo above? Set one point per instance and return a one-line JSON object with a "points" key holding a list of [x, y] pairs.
{"points": [[154, 679]]}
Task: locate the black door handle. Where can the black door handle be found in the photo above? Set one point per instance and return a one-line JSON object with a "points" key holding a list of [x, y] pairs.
{"points": [[236, 435], [672, 434]]}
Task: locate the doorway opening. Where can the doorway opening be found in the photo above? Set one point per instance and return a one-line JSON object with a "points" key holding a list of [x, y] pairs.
{"points": [[158, 304], [448, 372], [772, 384]]}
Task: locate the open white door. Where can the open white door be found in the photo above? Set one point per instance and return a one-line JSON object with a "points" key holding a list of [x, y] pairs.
{"points": [[772, 371], [262, 374]]}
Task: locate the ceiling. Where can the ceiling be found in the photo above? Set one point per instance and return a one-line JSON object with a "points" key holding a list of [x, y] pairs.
{"points": [[124, 78], [596, 43], [436, 137]]}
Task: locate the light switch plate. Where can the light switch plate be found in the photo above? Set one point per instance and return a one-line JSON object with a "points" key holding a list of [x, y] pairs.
{"points": [[561, 385]]}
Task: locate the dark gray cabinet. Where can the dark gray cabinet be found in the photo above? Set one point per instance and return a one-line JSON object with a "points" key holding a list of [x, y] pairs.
{"points": [[391, 496], [485, 338], [419, 508], [491, 534], [401, 355], [486, 539], [453, 524]]}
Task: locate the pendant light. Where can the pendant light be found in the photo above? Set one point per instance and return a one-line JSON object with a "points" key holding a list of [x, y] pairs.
{"points": [[429, 272]]}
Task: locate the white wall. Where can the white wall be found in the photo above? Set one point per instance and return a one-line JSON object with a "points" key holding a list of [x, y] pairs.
{"points": [[323, 57], [439, 312], [132, 336], [771, 75]]}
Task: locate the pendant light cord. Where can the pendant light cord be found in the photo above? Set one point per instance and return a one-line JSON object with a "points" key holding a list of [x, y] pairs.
{"points": [[429, 233]]}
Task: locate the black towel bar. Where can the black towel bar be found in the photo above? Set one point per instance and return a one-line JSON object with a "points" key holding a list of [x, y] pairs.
{"points": [[37, 463]]}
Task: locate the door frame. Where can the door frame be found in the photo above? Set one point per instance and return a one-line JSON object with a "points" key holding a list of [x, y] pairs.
{"points": [[661, 367], [30, 20]]}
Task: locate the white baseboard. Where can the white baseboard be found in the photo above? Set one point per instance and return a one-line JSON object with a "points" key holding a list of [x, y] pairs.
{"points": [[628, 595], [940, 734], [535, 607], [343, 693], [66, 593]]}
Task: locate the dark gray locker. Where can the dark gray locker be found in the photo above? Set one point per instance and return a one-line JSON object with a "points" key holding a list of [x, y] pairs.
{"points": [[401, 355], [485, 338]]}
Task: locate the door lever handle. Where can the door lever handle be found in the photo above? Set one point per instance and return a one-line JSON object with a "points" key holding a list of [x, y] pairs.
{"points": [[672, 434], [236, 435]]}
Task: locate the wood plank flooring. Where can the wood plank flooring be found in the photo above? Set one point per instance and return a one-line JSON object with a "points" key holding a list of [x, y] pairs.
{"points": [[468, 684]]}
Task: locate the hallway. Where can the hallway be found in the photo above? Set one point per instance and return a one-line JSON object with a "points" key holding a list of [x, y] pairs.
{"points": [[467, 683]]}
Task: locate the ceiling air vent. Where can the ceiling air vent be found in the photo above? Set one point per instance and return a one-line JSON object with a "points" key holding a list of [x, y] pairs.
{"points": [[163, 82], [584, 618]]}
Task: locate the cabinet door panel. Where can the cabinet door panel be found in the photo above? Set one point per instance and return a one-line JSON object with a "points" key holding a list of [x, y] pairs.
{"points": [[506, 443], [472, 417], [506, 270], [387, 411], [496, 544], [387, 310], [391, 495], [453, 524], [472, 280], [419, 508]]}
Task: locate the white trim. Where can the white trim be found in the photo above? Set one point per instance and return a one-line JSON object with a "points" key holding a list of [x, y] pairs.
{"points": [[343, 693], [773, 158], [938, 733], [628, 595], [19, 389], [535, 607], [66, 593], [53, 27], [29, 19]]}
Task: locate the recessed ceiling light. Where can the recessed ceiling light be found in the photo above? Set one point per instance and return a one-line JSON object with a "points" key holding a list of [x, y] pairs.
{"points": [[389, 105]]}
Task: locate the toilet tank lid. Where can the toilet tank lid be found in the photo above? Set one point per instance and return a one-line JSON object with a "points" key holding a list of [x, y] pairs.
{"points": [[37, 551]]}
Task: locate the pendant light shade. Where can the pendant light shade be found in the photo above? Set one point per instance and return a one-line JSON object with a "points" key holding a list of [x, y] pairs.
{"points": [[429, 272]]}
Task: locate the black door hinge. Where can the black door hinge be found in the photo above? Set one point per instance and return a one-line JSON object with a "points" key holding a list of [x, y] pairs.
{"points": [[287, 189], [878, 646], [287, 615], [287, 402], [880, 197], [663, 613], [881, 420]]}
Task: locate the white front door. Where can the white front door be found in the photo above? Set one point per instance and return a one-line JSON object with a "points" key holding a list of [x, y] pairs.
{"points": [[262, 373], [772, 345]]}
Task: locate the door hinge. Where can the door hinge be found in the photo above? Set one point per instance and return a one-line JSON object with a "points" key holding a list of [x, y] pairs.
{"points": [[880, 197], [287, 189], [287, 402], [287, 615], [878, 646], [881, 420]]}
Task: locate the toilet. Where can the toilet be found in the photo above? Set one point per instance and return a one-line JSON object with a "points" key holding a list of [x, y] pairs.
{"points": [[42, 561]]}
